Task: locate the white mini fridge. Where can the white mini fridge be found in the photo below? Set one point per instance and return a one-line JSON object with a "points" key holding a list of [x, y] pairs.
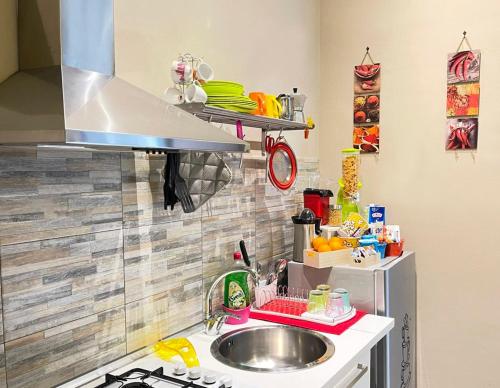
{"points": [[387, 289]]}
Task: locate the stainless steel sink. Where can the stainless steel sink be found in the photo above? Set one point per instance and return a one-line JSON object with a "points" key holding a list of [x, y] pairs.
{"points": [[272, 348]]}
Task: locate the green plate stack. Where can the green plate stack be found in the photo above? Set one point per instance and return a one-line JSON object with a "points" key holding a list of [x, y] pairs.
{"points": [[228, 95]]}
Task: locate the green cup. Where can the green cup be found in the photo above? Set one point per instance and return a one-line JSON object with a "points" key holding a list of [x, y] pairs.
{"points": [[316, 302], [325, 289]]}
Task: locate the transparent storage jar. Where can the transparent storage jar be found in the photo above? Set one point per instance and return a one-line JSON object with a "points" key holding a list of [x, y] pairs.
{"points": [[335, 215], [350, 171]]}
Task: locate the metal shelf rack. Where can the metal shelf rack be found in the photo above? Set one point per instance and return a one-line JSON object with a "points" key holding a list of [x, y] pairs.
{"points": [[224, 116]]}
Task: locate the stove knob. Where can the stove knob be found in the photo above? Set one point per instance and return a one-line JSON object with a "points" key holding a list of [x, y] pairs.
{"points": [[180, 369], [209, 378], [227, 381], [194, 373]]}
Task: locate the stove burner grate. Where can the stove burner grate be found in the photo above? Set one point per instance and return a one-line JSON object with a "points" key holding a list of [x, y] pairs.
{"points": [[143, 374], [136, 385]]}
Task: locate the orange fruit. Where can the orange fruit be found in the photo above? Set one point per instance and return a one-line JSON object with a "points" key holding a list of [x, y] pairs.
{"points": [[336, 243], [324, 248], [317, 241], [335, 238]]}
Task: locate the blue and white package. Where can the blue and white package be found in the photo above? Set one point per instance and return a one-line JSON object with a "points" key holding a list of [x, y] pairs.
{"points": [[376, 220], [376, 214]]}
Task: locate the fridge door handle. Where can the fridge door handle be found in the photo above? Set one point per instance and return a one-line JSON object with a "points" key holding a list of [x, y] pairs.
{"points": [[380, 307], [362, 369]]}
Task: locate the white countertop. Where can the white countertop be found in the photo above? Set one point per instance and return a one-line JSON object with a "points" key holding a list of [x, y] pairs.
{"points": [[359, 338]]}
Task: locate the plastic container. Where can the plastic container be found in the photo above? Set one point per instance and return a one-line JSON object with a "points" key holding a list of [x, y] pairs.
{"points": [[394, 249], [335, 215], [380, 248], [369, 239], [350, 171], [242, 313], [236, 292]]}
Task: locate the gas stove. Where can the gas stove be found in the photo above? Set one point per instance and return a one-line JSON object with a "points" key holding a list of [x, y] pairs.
{"points": [[177, 376]]}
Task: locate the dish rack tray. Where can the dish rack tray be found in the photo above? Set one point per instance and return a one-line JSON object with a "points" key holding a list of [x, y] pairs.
{"points": [[290, 302]]}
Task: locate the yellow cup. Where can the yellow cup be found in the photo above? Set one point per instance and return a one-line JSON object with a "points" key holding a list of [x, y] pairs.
{"points": [[260, 99], [273, 107]]}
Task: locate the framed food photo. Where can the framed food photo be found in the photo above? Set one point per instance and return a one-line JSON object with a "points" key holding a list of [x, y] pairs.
{"points": [[367, 78], [462, 133], [462, 99], [366, 138], [366, 107], [464, 66]]}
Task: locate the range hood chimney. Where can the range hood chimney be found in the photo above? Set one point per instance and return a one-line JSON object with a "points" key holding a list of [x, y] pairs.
{"points": [[58, 85]]}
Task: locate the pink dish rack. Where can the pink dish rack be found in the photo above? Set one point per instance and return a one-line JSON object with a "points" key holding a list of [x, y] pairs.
{"points": [[273, 301]]}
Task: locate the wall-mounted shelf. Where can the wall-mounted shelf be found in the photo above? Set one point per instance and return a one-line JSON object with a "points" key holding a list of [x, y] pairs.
{"points": [[224, 116]]}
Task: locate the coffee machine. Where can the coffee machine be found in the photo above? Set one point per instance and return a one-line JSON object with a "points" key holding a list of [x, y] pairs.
{"points": [[318, 200]]}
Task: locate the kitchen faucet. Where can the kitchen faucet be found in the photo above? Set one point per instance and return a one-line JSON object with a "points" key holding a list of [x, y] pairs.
{"points": [[213, 321]]}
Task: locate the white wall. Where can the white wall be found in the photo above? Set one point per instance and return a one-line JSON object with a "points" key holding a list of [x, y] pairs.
{"points": [[269, 46], [446, 202]]}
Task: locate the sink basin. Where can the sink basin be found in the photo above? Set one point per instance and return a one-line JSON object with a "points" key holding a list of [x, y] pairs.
{"points": [[272, 348]]}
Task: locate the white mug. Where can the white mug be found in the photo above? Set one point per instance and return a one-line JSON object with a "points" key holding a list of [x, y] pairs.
{"points": [[204, 72], [173, 96], [195, 93], [181, 72]]}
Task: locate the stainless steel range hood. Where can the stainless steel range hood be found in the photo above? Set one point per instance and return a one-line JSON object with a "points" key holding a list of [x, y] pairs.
{"points": [[58, 85]]}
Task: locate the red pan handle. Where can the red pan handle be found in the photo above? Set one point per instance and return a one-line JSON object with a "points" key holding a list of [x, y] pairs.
{"points": [[269, 144]]}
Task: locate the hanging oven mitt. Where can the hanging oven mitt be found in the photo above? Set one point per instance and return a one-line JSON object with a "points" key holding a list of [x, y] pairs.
{"points": [[172, 347], [170, 199], [205, 174]]}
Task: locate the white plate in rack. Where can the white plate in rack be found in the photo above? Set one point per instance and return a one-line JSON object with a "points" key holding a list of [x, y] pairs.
{"points": [[317, 318], [320, 318]]}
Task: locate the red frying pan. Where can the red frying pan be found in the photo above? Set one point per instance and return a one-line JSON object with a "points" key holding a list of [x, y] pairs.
{"points": [[282, 163]]}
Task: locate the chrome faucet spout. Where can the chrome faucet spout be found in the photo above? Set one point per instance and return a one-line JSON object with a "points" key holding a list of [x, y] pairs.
{"points": [[213, 321]]}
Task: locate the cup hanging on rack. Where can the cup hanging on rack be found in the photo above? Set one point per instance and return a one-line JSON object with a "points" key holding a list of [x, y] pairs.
{"points": [[173, 96], [195, 93], [181, 72]]}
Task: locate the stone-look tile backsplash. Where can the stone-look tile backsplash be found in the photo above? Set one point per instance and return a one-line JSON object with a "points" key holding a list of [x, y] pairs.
{"points": [[46, 194], [92, 267], [51, 282]]}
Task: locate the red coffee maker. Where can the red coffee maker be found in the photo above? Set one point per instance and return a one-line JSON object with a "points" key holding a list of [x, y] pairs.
{"points": [[318, 200]]}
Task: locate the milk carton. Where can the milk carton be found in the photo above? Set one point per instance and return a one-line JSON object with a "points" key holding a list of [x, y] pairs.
{"points": [[376, 219]]}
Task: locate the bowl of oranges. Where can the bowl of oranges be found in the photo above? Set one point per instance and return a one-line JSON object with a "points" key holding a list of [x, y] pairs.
{"points": [[321, 244], [327, 252]]}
